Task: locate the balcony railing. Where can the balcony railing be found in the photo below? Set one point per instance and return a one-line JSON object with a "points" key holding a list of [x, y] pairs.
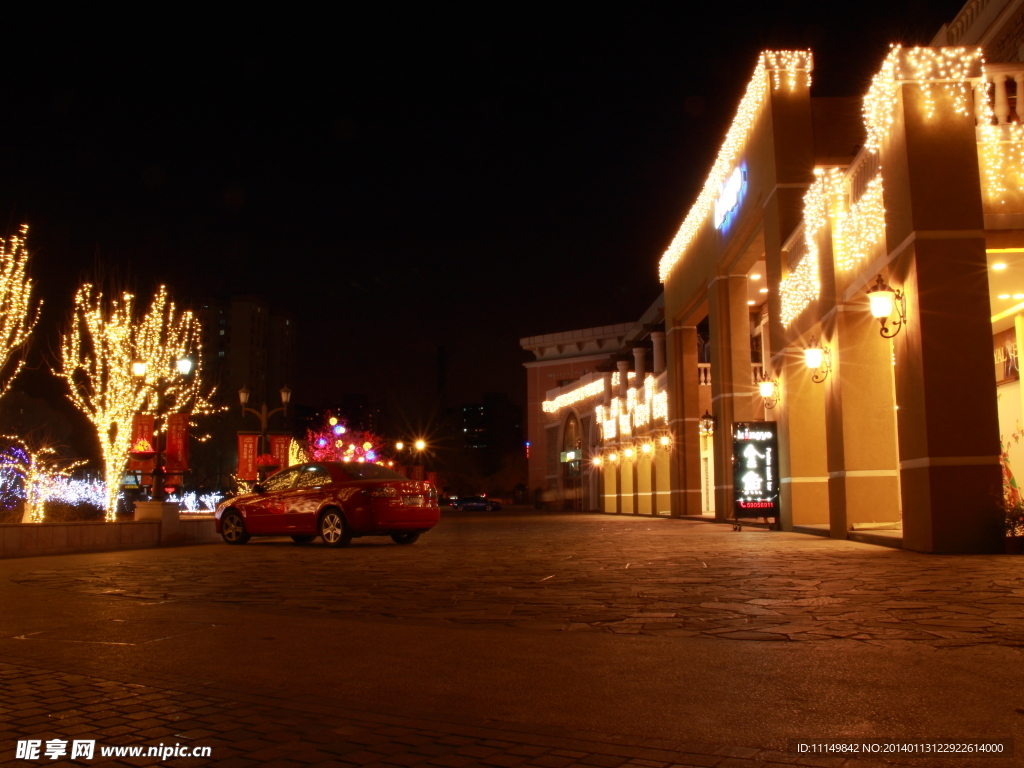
{"points": [[704, 373]]}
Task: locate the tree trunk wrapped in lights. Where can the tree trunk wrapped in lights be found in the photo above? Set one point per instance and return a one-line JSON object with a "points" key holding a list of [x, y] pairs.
{"points": [[43, 474], [103, 344], [17, 315]]}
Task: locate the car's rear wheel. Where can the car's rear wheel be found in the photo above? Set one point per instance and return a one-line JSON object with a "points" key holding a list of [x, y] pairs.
{"points": [[489, 507], [334, 529], [405, 537], [232, 528], [305, 539]]}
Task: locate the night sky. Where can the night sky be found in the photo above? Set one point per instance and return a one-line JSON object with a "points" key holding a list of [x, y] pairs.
{"points": [[401, 179]]}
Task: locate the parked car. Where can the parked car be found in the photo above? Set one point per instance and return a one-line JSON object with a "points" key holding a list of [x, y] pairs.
{"points": [[476, 504], [337, 501]]}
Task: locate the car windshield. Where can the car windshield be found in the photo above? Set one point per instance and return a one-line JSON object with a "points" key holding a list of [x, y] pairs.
{"points": [[360, 471]]}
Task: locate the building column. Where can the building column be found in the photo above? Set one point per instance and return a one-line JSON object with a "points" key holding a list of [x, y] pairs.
{"points": [[948, 416], [731, 378], [684, 418], [860, 422], [640, 366], [623, 366], [803, 462], [658, 339]]}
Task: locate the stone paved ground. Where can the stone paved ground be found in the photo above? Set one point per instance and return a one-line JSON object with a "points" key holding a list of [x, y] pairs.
{"points": [[246, 730], [682, 583], [606, 574]]}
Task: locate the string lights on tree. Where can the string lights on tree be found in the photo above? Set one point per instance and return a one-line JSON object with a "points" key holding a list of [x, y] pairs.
{"points": [[18, 312], [43, 474], [117, 365]]}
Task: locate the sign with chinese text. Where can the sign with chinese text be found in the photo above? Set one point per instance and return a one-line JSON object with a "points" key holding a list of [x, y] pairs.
{"points": [[177, 443], [248, 447], [143, 426], [279, 444], [417, 472], [755, 466]]}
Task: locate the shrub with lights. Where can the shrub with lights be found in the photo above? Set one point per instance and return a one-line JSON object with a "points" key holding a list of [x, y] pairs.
{"points": [[333, 441]]}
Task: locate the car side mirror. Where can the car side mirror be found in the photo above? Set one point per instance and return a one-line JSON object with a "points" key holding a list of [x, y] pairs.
{"points": [[259, 488]]}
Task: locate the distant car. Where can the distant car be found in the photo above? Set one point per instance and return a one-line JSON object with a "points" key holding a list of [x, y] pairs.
{"points": [[337, 501], [476, 504]]}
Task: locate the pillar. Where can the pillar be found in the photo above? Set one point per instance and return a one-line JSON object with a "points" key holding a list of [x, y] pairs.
{"points": [[803, 462], [731, 380], [860, 422], [948, 420], [640, 366], [623, 366], [684, 417], [658, 339]]}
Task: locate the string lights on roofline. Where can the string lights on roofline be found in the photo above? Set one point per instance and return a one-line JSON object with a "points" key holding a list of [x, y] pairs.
{"points": [[798, 66]]}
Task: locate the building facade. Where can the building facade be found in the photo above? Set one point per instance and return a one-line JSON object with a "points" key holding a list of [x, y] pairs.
{"points": [[855, 262]]}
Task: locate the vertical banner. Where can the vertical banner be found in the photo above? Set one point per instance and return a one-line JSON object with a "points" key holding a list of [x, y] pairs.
{"points": [[248, 443], [401, 469], [755, 462], [417, 472], [177, 443], [432, 478], [142, 428], [279, 448]]}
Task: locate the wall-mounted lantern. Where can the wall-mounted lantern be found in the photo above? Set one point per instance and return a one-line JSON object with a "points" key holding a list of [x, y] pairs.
{"points": [[769, 389], [819, 360], [884, 299]]}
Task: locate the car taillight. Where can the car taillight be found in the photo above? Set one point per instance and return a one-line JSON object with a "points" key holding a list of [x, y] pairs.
{"points": [[383, 492]]}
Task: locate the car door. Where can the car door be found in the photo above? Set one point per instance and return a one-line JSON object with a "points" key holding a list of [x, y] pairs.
{"points": [[303, 500], [265, 513]]}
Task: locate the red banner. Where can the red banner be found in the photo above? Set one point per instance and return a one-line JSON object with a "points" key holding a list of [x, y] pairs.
{"points": [[432, 478], [248, 447], [176, 457], [417, 472], [279, 448], [142, 429], [401, 469]]}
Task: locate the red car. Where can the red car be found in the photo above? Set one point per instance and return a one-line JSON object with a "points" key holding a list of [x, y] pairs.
{"points": [[337, 501]]}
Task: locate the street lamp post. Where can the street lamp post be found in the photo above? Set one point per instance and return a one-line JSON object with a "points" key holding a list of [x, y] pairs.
{"points": [[263, 414], [182, 366]]}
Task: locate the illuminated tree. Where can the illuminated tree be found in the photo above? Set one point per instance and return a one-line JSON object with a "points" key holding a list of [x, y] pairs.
{"points": [[18, 316], [43, 474], [117, 365]]}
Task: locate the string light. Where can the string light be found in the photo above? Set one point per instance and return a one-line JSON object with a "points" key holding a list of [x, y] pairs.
{"points": [[42, 472], [797, 65], [947, 68], [97, 353], [18, 317], [858, 229]]}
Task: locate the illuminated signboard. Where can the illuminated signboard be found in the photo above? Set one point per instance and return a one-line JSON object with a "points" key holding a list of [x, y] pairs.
{"points": [[571, 456], [755, 466], [729, 196]]}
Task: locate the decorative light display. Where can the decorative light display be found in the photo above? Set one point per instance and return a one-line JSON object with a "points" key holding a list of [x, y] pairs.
{"points": [[196, 504], [1002, 160], [18, 316], [948, 69], [98, 352], [323, 444], [593, 389], [43, 475], [296, 453], [797, 66], [859, 228]]}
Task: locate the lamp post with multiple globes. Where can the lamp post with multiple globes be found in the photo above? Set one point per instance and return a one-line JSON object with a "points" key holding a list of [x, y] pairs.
{"points": [[263, 414], [183, 367]]}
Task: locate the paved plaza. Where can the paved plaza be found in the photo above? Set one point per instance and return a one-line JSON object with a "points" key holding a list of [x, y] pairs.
{"points": [[516, 638]]}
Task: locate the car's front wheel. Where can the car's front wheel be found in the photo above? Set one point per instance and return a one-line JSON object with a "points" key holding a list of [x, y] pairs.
{"points": [[405, 537], [232, 528], [334, 529]]}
